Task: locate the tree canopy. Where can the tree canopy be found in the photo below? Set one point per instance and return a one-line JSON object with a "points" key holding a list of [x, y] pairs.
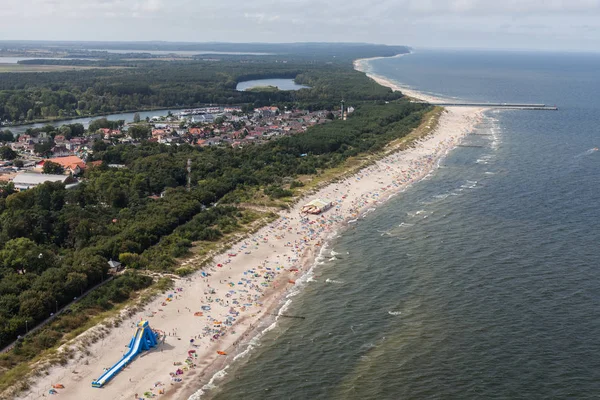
{"points": [[52, 168], [6, 153]]}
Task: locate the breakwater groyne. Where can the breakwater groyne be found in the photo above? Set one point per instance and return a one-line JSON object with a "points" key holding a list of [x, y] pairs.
{"points": [[513, 106]]}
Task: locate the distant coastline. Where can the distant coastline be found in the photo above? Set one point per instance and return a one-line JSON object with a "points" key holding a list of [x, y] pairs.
{"points": [[362, 65]]}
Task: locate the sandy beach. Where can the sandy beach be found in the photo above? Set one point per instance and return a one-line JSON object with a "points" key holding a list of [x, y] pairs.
{"points": [[363, 66], [225, 306]]}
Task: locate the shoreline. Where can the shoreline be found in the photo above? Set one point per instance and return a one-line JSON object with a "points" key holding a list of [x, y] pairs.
{"points": [[243, 290], [91, 117], [362, 64]]}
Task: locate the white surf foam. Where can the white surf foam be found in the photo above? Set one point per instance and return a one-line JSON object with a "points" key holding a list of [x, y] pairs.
{"points": [[211, 384], [587, 152]]}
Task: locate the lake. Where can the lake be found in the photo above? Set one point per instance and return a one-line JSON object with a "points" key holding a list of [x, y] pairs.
{"points": [[281, 84]]}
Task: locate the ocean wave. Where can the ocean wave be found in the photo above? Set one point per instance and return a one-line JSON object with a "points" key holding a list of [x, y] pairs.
{"points": [[255, 341], [415, 213], [284, 308], [243, 353], [333, 281], [211, 384], [587, 152], [421, 213], [370, 210], [394, 313], [368, 346]]}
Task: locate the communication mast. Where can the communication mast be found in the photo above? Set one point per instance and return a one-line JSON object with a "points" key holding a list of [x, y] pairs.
{"points": [[189, 175]]}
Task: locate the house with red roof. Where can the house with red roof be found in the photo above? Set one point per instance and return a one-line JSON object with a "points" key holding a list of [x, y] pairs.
{"points": [[159, 132], [266, 111], [71, 164], [108, 133]]}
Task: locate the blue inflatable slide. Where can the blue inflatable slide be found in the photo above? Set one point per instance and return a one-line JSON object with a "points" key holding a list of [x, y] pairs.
{"points": [[144, 339]]}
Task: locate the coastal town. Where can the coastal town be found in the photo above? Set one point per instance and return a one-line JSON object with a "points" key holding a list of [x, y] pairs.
{"points": [[201, 127]]}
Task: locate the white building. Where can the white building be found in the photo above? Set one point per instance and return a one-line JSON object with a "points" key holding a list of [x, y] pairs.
{"points": [[28, 180]]}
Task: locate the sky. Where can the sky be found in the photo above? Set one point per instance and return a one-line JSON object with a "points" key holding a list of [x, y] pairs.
{"points": [[506, 24]]}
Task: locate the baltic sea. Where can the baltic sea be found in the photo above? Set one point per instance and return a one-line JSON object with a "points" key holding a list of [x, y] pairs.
{"points": [[481, 281]]}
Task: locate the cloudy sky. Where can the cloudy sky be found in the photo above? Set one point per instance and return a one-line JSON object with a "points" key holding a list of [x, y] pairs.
{"points": [[510, 24]]}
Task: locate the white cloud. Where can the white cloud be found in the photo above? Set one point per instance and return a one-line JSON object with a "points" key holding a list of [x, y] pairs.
{"points": [[261, 17], [149, 5], [75, 9], [501, 23]]}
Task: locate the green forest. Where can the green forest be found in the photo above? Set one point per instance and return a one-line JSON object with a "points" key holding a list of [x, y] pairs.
{"points": [[158, 84], [55, 243]]}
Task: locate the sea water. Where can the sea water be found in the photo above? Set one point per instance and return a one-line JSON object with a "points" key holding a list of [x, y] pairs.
{"points": [[481, 281]]}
